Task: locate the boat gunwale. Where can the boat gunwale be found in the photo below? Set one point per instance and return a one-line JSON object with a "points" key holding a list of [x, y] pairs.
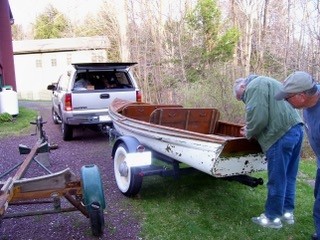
{"points": [[173, 131]]}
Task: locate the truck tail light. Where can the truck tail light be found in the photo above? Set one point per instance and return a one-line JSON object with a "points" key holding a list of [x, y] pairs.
{"points": [[138, 96], [68, 102]]}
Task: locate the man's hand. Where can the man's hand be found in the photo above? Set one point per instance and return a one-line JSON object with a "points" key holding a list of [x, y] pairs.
{"points": [[243, 131]]}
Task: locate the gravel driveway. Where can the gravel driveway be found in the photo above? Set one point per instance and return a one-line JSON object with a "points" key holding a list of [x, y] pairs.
{"points": [[86, 148]]}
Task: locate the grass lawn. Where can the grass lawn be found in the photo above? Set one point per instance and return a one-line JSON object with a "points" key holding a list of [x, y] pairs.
{"points": [[20, 124], [198, 206]]}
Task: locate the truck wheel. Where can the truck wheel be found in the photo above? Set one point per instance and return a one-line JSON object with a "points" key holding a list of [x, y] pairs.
{"points": [[55, 117], [67, 131], [128, 179]]}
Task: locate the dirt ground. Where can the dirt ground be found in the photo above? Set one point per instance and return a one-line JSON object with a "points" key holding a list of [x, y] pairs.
{"points": [[88, 147]]}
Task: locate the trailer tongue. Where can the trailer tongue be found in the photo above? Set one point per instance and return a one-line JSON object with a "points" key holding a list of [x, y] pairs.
{"points": [[85, 195]]}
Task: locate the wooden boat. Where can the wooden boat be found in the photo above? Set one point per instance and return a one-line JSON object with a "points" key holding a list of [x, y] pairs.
{"points": [[194, 136]]}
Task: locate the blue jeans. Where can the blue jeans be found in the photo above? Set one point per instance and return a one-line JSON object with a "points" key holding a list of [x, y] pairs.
{"points": [[316, 206], [283, 162]]}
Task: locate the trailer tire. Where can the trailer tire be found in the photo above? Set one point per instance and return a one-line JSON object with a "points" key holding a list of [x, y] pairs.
{"points": [[96, 219], [128, 179], [93, 197]]}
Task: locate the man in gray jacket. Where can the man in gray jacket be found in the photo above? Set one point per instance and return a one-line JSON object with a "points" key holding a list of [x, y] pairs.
{"points": [[302, 91], [278, 129]]}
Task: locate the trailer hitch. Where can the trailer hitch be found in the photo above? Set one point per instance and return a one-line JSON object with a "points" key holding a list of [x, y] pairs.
{"points": [[246, 180]]}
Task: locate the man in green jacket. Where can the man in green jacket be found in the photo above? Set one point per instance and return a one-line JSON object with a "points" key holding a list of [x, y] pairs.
{"points": [[278, 129]]}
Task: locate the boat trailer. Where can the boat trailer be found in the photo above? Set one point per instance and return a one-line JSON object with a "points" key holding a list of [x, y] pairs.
{"points": [[127, 151], [85, 195]]}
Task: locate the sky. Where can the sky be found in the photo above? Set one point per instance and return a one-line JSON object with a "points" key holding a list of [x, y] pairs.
{"points": [[25, 11]]}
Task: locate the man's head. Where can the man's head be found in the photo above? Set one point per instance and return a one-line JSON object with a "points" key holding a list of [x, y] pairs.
{"points": [[299, 89], [239, 87]]}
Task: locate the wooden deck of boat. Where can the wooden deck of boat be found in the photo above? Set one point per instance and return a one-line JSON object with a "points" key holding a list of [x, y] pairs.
{"points": [[201, 120]]}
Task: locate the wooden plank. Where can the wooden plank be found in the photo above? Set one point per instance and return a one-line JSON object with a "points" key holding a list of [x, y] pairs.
{"points": [[56, 180], [143, 112], [6, 185], [200, 120], [6, 195], [7, 189], [214, 120], [24, 166], [173, 117], [228, 129], [75, 189], [3, 203]]}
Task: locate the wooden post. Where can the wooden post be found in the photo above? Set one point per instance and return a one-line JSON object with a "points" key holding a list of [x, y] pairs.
{"points": [[24, 166]]}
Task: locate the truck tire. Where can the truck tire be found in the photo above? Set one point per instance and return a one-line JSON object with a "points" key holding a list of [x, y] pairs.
{"points": [[67, 131], [55, 117]]}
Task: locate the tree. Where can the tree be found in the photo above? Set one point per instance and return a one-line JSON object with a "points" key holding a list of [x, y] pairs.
{"points": [[249, 10], [105, 23], [50, 24], [216, 43], [149, 45], [17, 32]]}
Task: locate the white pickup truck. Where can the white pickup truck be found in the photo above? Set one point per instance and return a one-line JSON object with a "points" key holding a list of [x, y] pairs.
{"points": [[84, 91]]}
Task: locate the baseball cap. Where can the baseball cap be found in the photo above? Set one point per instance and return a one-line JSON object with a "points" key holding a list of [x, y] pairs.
{"points": [[296, 82]]}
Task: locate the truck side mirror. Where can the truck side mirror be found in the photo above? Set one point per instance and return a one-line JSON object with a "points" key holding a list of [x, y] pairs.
{"points": [[52, 87]]}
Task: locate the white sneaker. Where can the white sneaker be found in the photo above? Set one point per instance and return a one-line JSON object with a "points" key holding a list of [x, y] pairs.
{"points": [[263, 221], [288, 218]]}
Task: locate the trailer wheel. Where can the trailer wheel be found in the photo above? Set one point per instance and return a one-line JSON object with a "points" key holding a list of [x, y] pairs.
{"points": [[96, 219], [93, 197], [128, 179]]}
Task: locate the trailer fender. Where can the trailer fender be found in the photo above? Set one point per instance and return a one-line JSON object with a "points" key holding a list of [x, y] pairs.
{"points": [[131, 143], [92, 186], [93, 197]]}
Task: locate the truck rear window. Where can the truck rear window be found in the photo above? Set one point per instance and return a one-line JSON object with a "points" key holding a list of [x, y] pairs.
{"points": [[101, 80]]}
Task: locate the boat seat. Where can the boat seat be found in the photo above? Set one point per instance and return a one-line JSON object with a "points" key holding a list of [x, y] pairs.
{"points": [[201, 120], [228, 129], [143, 112]]}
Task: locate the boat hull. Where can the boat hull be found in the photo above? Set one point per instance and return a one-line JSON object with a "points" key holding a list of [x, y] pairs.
{"points": [[200, 151]]}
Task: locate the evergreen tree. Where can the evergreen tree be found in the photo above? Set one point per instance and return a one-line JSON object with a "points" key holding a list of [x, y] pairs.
{"points": [[216, 42], [50, 24]]}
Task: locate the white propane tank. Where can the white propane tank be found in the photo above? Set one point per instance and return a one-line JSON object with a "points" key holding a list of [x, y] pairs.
{"points": [[9, 101]]}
